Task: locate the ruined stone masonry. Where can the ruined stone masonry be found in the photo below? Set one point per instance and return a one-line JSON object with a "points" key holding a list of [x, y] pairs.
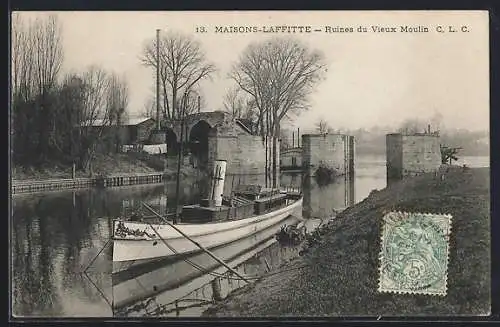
{"points": [[217, 135], [411, 154], [334, 151]]}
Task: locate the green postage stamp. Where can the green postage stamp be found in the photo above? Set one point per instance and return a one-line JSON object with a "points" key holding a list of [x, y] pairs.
{"points": [[414, 253]]}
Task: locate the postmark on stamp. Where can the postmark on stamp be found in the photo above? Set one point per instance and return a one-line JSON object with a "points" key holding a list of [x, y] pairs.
{"points": [[414, 253]]}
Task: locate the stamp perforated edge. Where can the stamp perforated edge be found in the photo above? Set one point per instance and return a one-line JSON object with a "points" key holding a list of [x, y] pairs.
{"points": [[383, 230]]}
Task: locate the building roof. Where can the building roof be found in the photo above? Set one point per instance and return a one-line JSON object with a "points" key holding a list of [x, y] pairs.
{"points": [[243, 125], [137, 120]]}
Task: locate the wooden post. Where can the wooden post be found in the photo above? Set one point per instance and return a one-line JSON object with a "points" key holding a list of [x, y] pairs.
{"points": [[73, 172], [216, 289]]}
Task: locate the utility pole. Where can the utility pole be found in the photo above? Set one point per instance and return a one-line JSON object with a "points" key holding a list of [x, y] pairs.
{"points": [[179, 160], [158, 125]]}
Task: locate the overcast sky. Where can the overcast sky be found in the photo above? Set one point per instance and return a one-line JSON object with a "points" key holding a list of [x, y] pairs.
{"points": [[372, 79]]}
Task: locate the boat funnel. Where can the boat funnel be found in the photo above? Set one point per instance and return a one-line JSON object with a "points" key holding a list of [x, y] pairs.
{"points": [[217, 187]]}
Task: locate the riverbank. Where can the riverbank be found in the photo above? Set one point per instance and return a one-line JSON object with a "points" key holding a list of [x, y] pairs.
{"points": [[106, 165], [340, 272]]}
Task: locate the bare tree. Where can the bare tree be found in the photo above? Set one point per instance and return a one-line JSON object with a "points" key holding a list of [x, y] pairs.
{"points": [[117, 99], [323, 127], [195, 101], [410, 126], [182, 66], [95, 116], [37, 54], [279, 74], [116, 103], [234, 102], [149, 108], [18, 51], [48, 53], [36, 62], [96, 84], [437, 121], [22, 59], [241, 106]]}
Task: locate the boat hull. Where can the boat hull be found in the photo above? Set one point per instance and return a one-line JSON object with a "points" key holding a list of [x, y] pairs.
{"points": [[154, 242], [170, 281]]}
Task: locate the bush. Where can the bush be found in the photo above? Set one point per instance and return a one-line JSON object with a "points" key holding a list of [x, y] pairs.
{"points": [[324, 175]]}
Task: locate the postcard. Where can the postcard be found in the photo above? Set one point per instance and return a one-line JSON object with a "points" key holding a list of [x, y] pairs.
{"points": [[249, 164]]}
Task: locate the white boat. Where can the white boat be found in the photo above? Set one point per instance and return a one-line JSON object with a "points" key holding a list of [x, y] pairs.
{"points": [[146, 242], [211, 224], [171, 280]]}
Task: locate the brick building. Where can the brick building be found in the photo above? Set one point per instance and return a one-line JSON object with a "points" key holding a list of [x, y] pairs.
{"points": [[131, 131]]}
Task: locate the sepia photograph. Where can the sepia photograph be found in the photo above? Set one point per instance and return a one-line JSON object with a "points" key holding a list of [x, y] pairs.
{"points": [[249, 164]]}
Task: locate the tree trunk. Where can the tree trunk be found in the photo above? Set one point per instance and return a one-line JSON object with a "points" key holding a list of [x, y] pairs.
{"points": [[274, 163], [43, 126], [87, 158]]}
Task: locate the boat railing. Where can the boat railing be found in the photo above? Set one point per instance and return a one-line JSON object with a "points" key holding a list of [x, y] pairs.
{"points": [[150, 218], [291, 189]]}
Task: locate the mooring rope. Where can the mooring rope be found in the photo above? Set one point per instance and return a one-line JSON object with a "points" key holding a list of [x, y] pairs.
{"points": [[212, 273], [98, 289]]}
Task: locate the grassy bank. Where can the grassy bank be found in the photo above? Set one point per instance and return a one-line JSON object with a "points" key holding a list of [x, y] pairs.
{"points": [[106, 165], [340, 276]]}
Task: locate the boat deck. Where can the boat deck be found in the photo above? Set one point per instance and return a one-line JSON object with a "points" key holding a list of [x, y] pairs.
{"points": [[242, 205]]}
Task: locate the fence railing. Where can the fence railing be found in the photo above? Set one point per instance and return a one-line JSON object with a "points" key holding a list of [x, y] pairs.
{"points": [[32, 186]]}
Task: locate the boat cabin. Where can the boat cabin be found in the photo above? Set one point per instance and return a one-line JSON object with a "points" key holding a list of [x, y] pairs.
{"points": [[246, 201]]}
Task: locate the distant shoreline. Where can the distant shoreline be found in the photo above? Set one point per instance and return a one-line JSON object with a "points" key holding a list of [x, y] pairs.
{"points": [[381, 152], [123, 164]]}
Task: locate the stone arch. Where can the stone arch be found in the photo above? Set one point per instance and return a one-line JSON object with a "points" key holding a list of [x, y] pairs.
{"points": [[198, 142]]}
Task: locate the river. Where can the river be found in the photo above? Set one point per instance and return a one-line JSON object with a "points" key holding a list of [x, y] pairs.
{"points": [[55, 235]]}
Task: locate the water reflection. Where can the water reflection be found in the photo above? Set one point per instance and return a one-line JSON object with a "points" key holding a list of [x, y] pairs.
{"points": [[150, 293], [54, 235], [263, 260], [189, 290], [325, 200]]}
